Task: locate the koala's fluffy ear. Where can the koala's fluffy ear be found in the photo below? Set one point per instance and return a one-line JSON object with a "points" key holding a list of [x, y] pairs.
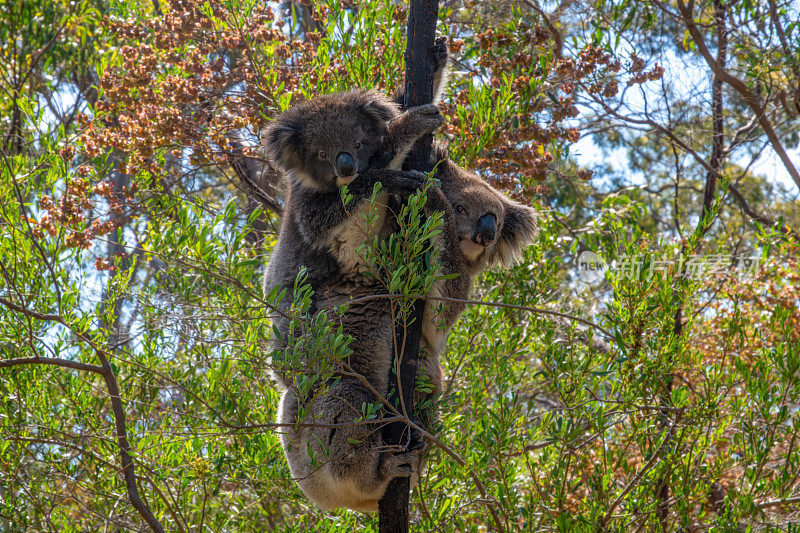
{"points": [[519, 229], [280, 141]]}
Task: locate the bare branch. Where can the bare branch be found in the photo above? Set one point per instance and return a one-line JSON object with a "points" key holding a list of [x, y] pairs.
{"points": [[752, 99], [493, 304], [53, 361], [125, 447], [30, 312], [252, 174], [106, 371], [763, 219]]}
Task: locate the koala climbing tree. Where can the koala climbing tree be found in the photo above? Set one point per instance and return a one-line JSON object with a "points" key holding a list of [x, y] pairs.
{"points": [[420, 67]]}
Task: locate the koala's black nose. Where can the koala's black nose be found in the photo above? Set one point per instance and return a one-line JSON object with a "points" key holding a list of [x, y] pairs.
{"points": [[486, 230], [344, 165]]}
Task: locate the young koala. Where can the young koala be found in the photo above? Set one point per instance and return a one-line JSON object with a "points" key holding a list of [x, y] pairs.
{"points": [[491, 230], [352, 465]]}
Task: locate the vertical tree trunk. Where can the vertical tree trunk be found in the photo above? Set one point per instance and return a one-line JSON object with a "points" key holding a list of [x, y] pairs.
{"points": [[420, 65]]}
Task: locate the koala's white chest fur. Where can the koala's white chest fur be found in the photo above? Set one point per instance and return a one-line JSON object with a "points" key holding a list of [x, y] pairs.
{"points": [[434, 334], [347, 240]]}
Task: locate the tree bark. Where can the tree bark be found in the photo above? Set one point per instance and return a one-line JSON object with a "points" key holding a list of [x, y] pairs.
{"points": [[420, 66]]}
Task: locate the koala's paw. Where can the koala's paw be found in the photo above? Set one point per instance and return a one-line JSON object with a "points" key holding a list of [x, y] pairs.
{"points": [[415, 441], [406, 183], [401, 464], [427, 118], [439, 50]]}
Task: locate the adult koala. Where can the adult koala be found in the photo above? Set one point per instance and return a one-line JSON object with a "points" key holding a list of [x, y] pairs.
{"points": [[339, 459]]}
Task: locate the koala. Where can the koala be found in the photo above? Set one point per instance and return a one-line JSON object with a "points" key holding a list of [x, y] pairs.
{"points": [[490, 230], [352, 465], [338, 458], [355, 139]]}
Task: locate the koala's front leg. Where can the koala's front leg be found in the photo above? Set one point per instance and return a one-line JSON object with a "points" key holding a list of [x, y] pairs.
{"points": [[400, 182], [405, 130]]}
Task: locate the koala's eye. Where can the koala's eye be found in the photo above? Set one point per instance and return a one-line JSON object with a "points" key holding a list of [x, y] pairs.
{"points": [[460, 209], [358, 145], [323, 155]]}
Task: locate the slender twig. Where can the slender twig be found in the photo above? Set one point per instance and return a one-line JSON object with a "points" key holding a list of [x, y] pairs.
{"points": [[47, 317], [54, 361], [491, 304], [638, 477], [558, 40], [776, 503], [763, 219], [107, 373], [124, 446]]}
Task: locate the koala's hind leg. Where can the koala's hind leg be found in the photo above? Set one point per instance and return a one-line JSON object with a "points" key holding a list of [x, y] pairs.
{"points": [[336, 458], [441, 70]]}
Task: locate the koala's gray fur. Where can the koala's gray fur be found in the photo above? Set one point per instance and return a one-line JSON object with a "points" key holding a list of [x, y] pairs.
{"points": [[316, 230], [359, 465], [351, 464]]}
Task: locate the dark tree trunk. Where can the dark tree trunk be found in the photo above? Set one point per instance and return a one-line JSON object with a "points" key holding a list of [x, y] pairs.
{"points": [[420, 65]]}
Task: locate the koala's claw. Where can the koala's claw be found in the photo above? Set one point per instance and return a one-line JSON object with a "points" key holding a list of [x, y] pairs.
{"points": [[406, 184], [401, 464], [439, 50], [428, 116], [415, 181], [415, 441], [426, 109]]}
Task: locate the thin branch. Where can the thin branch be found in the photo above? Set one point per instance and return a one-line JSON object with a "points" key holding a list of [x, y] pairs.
{"points": [[558, 40], [53, 361], [752, 99], [47, 317], [638, 477], [251, 173], [106, 371], [763, 219], [125, 447], [776, 503], [492, 304], [787, 50]]}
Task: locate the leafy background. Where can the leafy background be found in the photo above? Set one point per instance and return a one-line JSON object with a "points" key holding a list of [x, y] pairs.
{"points": [[136, 216]]}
